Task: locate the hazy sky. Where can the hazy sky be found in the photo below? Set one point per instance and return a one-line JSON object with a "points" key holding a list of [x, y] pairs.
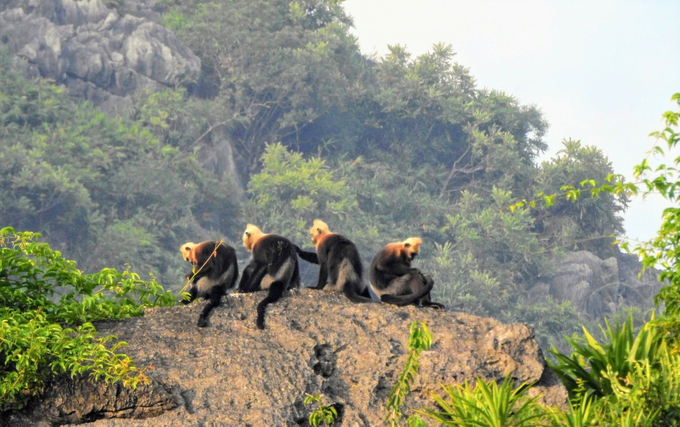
{"points": [[602, 72]]}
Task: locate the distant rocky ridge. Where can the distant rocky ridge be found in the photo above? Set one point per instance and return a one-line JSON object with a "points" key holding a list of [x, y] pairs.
{"points": [[97, 54], [232, 374], [598, 287]]}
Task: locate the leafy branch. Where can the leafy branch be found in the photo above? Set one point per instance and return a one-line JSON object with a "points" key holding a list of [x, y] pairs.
{"points": [[615, 184], [420, 339], [323, 414], [41, 293]]}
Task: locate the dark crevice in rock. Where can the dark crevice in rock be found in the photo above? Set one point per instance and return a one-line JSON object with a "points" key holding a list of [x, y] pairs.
{"points": [[549, 378], [380, 391], [188, 398], [79, 400], [326, 360], [340, 409]]}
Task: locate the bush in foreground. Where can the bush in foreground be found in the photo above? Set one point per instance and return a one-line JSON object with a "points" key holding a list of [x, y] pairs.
{"points": [[46, 309]]}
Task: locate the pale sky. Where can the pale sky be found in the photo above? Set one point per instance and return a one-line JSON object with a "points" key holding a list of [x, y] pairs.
{"points": [[602, 72]]}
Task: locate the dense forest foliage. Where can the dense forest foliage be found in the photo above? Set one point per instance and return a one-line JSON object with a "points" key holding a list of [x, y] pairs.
{"points": [[379, 148]]}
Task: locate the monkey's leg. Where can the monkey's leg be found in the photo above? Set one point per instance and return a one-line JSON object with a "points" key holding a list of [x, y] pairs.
{"points": [[399, 291], [213, 301], [426, 301]]}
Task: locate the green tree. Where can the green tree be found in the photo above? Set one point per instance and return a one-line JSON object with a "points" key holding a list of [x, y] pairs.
{"points": [[584, 223], [429, 111], [290, 192], [664, 250], [395, 201], [491, 257], [269, 68], [632, 379]]}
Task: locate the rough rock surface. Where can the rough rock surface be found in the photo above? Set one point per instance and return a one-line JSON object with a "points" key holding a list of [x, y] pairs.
{"points": [[634, 290], [98, 55], [599, 287], [150, 9], [81, 400], [232, 374]]}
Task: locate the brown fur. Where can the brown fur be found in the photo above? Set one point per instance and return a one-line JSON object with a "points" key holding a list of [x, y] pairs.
{"points": [[405, 249], [339, 263], [190, 250], [321, 239], [274, 266], [214, 273]]}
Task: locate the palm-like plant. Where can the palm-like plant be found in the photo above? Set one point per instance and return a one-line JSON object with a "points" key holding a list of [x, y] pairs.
{"points": [[580, 414], [584, 372], [486, 405]]}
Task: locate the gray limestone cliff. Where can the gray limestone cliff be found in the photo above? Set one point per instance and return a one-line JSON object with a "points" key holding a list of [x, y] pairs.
{"points": [[98, 55], [599, 287], [104, 55], [232, 374]]}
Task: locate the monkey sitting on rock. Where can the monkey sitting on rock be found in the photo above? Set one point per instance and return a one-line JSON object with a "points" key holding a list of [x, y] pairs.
{"points": [[394, 281]]}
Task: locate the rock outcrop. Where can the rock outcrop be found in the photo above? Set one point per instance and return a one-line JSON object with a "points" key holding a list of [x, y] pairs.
{"points": [[97, 54], [599, 287], [232, 374], [104, 55]]}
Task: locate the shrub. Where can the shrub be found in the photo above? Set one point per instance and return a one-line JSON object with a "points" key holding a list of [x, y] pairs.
{"points": [[586, 370], [486, 405], [420, 339], [40, 294]]}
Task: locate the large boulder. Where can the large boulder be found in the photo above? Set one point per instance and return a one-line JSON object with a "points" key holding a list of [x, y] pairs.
{"points": [[232, 374], [100, 56]]}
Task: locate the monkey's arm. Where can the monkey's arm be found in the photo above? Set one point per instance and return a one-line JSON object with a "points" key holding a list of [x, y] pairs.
{"points": [[323, 269], [310, 257], [396, 268]]}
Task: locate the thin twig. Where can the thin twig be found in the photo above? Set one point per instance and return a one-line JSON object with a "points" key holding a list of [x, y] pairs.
{"points": [[453, 169]]}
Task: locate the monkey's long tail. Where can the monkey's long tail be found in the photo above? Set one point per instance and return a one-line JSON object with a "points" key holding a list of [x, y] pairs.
{"points": [[351, 291], [351, 281], [276, 290], [402, 300]]}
